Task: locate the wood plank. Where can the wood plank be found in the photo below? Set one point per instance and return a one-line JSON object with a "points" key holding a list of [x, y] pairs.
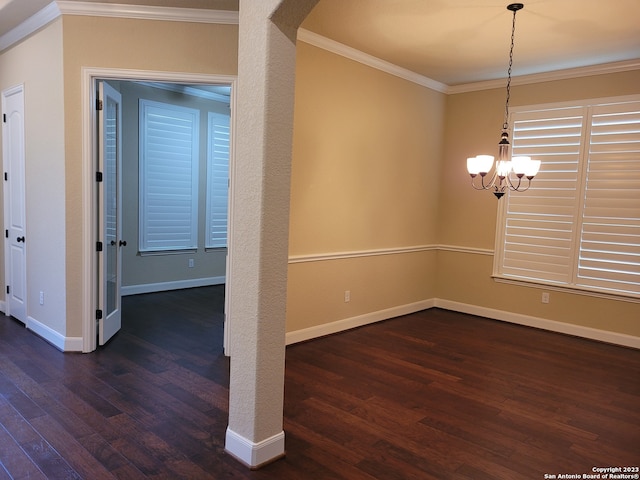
{"points": [[15, 463]]}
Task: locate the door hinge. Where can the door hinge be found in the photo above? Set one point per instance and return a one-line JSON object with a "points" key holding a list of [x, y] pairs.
{"points": [[98, 176], [98, 104], [6, 176], [8, 289], [98, 314], [4, 117], [98, 246]]}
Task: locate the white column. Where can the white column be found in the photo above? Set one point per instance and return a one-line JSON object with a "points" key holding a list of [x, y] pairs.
{"points": [[260, 227]]}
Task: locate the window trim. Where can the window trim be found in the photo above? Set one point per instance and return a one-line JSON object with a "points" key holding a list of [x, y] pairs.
{"points": [[575, 243]]}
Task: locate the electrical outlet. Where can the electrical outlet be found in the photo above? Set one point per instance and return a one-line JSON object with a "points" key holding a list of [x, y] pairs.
{"points": [[191, 263], [347, 296], [545, 297], [41, 297]]}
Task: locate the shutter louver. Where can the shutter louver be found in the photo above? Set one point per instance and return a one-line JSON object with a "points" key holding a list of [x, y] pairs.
{"points": [[610, 236], [168, 177], [217, 180]]}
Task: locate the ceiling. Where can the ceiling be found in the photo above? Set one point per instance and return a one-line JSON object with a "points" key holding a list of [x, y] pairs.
{"points": [[453, 42], [463, 41]]}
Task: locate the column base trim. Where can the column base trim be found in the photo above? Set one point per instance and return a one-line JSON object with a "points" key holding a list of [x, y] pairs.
{"points": [[254, 455]]}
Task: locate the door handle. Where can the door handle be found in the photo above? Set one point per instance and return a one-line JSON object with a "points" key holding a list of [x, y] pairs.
{"points": [[112, 243], [123, 243], [20, 239]]}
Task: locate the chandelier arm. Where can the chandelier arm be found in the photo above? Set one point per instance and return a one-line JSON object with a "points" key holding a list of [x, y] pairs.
{"points": [[519, 189], [482, 185], [473, 184], [527, 187], [513, 186], [491, 182]]}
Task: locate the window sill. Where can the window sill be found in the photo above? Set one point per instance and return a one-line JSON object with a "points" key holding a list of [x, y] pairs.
{"points": [[155, 253], [215, 249], [568, 289]]}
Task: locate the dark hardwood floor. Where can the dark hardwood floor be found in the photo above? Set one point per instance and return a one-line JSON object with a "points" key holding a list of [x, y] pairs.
{"points": [[433, 395]]}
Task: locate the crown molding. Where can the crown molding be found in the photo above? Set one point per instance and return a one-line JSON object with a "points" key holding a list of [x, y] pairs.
{"points": [[141, 12], [602, 69], [32, 24], [351, 53], [374, 62]]}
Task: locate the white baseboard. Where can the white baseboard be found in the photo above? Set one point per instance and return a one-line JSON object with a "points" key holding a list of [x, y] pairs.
{"points": [[542, 323], [253, 454], [65, 344], [74, 344], [358, 321], [175, 285], [530, 321]]}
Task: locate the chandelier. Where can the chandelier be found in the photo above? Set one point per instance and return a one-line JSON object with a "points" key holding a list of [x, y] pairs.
{"points": [[508, 173]]}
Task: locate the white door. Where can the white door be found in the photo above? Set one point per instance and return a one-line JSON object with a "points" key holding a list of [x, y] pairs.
{"points": [[109, 211], [13, 154]]}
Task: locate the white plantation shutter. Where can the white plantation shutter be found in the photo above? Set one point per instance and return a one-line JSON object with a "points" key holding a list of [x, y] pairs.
{"points": [[579, 223], [540, 223], [610, 234], [217, 180], [169, 151]]}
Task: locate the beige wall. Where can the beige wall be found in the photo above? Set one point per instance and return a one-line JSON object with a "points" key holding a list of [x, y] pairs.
{"points": [[125, 44], [376, 283], [36, 62], [366, 156], [468, 217], [140, 270]]}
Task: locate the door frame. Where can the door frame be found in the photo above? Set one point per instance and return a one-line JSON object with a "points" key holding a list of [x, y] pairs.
{"points": [[90, 75]]}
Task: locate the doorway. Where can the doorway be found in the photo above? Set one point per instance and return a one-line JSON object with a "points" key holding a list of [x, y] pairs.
{"points": [[164, 86]]}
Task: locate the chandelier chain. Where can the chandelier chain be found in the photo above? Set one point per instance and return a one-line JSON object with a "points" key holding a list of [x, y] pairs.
{"points": [[505, 125]]}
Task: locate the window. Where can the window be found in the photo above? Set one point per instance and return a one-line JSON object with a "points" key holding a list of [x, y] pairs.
{"points": [[579, 224], [169, 161], [217, 180]]}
